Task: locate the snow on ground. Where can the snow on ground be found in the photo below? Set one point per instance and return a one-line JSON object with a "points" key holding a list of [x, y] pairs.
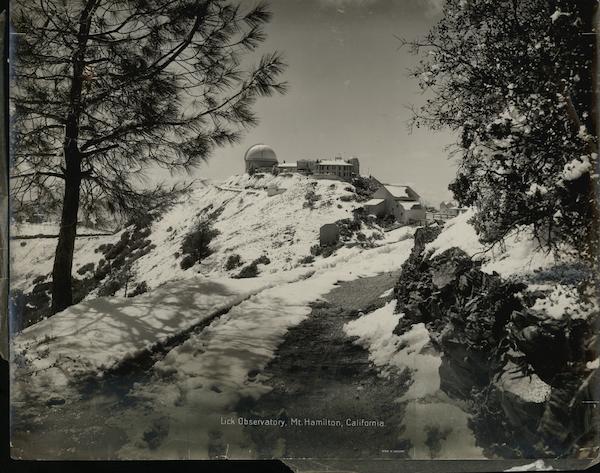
{"points": [[529, 388], [33, 257], [457, 232], [94, 336], [200, 381], [428, 411], [521, 258], [251, 224], [519, 255], [561, 301], [387, 350]]}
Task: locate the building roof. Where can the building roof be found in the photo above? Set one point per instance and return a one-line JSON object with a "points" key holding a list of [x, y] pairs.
{"points": [[399, 192], [334, 162], [261, 152], [409, 203], [374, 202], [287, 165]]}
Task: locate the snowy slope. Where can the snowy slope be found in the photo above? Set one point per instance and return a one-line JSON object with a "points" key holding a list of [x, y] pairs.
{"points": [[250, 223], [519, 255]]}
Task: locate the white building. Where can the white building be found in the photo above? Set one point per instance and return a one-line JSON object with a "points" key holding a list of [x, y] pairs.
{"points": [[398, 200]]}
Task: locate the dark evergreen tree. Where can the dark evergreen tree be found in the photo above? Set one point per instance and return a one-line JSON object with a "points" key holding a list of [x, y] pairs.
{"points": [[514, 79], [106, 90]]}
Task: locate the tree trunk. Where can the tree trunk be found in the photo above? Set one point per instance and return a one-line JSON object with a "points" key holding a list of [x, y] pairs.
{"points": [[62, 291]]}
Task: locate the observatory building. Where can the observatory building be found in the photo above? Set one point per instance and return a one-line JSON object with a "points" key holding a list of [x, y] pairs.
{"points": [[260, 157]]}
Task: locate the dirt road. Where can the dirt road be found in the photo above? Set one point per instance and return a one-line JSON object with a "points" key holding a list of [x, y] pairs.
{"points": [[319, 374]]}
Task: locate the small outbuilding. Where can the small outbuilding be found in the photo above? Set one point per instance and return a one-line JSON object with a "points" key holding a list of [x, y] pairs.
{"points": [[329, 234], [375, 207], [287, 167], [398, 200]]}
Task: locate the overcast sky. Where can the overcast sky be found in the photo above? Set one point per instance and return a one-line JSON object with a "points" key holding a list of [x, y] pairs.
{"points": [[348, 91]]}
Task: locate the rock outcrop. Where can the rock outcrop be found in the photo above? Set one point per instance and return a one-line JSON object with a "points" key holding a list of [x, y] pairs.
{"points": [[523, 373]]}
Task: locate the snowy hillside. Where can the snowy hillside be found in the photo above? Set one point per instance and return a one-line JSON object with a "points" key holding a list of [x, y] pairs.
{"points": [[251, 223], [520, 257]]}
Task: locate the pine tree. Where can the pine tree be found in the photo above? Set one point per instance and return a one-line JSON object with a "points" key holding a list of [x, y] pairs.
{"points": [[104, 91]]}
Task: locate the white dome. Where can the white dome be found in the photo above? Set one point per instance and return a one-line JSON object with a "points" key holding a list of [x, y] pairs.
{"points": [[262, 153]]}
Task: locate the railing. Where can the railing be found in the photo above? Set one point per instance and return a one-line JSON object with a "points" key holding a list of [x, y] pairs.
{"points": [[431, 216]]}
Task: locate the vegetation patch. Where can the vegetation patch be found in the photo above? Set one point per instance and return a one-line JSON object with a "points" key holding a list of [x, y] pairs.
{"points": [[196, 244], [233, 261], [141, 288], [85, 268], [310, 199], [263, 259], [249, 271], [364, 187]]}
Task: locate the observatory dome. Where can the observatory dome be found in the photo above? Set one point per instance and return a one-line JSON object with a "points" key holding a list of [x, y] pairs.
{"points": [[260, 156]]}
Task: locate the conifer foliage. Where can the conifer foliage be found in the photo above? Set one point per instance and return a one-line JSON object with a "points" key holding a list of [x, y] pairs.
{"points": [[106, 90], [514, 78]]}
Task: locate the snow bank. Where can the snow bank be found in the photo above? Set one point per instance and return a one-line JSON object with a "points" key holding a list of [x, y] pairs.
{"points": [[457, 232], [428, 411], [562, 301], [518, 256], [407, 351]]}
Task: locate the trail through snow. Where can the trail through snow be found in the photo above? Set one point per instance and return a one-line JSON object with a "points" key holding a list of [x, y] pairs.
{"points": [[177, 411], [199, 383]]}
